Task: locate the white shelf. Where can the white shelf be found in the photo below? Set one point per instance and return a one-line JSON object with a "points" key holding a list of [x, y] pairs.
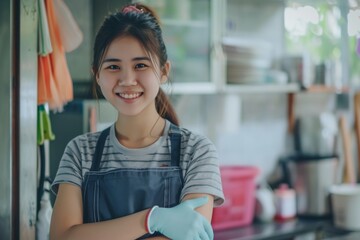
{"points": [[190, 88], [210, 88], [261, 88]]}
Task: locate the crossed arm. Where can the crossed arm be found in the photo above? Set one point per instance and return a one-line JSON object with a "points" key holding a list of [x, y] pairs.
{"points": [[67, 219]]}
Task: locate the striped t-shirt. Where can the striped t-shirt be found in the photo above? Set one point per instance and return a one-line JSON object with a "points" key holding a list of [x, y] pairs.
{"points": [[198, 160]]}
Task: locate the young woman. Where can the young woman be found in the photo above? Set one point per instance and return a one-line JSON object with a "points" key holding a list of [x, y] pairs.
{"points": [[144, 176]]}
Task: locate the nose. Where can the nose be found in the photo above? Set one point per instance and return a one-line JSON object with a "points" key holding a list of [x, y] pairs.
{"points": [[127, 78]]}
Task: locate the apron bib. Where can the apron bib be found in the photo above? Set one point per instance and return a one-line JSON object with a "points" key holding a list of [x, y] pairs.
{"points": [[121, 192]]}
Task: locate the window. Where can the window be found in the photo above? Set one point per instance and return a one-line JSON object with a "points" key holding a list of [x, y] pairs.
{"points": [[323, 29]]}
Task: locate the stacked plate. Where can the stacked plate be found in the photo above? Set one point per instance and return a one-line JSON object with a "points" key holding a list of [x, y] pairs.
{"points": [[247, 60]]}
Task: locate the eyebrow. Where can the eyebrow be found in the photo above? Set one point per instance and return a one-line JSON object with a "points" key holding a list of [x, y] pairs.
{"points": [[119, 60]]}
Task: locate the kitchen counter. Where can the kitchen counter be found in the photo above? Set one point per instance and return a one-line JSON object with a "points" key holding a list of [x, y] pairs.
{"points": [[350, 236], [321, 228]]}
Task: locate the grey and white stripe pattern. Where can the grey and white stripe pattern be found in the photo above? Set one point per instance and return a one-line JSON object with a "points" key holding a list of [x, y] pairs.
{"points": [[198, 160]]}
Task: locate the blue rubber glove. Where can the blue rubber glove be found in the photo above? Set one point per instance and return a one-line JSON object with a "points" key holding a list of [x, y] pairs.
{"points": [[182, 221]]}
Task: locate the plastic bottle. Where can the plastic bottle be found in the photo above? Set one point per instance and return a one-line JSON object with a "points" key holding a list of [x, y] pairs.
{"points": [[44, 218], [285, 203]]}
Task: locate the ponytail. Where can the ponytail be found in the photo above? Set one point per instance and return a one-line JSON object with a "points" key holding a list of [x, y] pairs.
{"points": [[165, 108]]}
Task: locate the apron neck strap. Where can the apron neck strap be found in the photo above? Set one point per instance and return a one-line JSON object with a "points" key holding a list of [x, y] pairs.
{"points": [[99, 150], [175, 139]]}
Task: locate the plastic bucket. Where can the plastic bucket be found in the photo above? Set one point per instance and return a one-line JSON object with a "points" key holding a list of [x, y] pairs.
{"points": [[345, 201], [239, 189]]}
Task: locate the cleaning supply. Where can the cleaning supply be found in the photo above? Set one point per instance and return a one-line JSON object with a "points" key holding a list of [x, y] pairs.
{"points": [[285, 203], [44, 218], [181, 222], [265, 204]]}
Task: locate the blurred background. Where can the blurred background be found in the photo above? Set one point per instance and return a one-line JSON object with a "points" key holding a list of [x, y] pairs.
{"points": [[263, 79]]}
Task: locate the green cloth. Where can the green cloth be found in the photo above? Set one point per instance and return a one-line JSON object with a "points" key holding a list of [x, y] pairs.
{"points": [[44, 131]]}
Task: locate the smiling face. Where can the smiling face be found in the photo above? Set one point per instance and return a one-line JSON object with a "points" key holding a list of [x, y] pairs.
{"points": [[128, 78]]}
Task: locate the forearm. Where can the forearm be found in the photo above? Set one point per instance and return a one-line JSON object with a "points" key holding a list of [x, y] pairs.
{"points": [[67, 220], [129, 227]]}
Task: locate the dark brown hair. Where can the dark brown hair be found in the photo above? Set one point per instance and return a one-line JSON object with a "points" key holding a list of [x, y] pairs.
{"points": [[144, 25]]}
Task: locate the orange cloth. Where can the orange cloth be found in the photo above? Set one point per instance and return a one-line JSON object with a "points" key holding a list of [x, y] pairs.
{"points": [[47, 91], [55, 84]]}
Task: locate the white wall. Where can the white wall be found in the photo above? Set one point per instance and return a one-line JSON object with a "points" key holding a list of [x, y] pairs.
{"points": [[248, 129]]}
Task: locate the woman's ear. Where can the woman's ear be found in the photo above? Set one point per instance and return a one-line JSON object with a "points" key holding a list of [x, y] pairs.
{"points": [[96, 76], [165, 72]]}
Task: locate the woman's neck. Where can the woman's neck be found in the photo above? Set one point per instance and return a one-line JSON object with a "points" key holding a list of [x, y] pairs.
{"points": [[137, 132]]}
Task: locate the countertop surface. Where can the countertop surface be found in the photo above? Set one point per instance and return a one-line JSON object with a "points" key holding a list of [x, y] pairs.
{"points": [[349, 236], [323, 228]]}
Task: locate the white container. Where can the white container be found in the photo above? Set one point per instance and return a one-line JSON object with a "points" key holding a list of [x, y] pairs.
{"points": [[265, 205], [346, 206], [285, 203]]}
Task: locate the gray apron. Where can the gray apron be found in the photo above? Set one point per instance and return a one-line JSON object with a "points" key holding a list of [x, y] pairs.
{"points": [[121, 192]]}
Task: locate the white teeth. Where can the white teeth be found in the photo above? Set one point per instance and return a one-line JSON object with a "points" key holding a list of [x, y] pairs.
{"points": [[129, 96]]}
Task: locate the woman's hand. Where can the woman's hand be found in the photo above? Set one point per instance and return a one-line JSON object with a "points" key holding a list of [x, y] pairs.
{"points": [[182, 221]]}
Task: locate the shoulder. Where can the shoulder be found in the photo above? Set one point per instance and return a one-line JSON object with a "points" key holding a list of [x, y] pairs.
{"points": [[83, 143], [195, 140], [85, 139], [196, 146]]}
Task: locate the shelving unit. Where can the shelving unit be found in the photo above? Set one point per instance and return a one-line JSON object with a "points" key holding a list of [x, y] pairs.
{"points": [[261, 88], [230, 18], [190, 88], [209, 88], [326, 89]]}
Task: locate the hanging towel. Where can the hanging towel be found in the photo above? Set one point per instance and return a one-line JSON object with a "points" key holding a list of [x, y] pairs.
{"points": [[47, 90], [59, 68], [44, 43], [70, 33]]}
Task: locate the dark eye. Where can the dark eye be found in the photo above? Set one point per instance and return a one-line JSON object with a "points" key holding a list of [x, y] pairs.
{"points": [[140, 66], [113, 67]]}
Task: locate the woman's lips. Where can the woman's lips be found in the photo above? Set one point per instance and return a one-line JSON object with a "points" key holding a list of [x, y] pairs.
{"points": [[129, 96]]}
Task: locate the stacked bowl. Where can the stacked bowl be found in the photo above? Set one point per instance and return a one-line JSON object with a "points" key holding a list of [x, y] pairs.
{"points": [[248, 60]]}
